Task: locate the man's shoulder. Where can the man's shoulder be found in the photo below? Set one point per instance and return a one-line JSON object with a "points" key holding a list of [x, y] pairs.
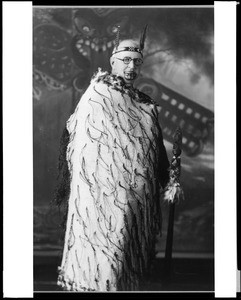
{"points": [[106, 78], [145, 98], [100, 75]]}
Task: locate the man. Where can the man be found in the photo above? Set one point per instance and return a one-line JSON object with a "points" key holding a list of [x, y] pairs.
{"points": [[128, 69], [116, 161]]}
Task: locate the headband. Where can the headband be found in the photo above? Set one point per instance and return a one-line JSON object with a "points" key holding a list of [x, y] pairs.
{"points": [[132, 49]]}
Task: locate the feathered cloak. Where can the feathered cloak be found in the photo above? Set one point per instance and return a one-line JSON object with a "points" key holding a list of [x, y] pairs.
{"points": [[116, 159]]}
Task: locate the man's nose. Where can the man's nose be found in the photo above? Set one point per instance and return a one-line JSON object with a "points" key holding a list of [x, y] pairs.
{"points": [[131, 64]]}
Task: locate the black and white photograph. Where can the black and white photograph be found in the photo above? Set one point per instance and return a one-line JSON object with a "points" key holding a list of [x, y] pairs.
{"points": [[112, 89], [123, 149]]}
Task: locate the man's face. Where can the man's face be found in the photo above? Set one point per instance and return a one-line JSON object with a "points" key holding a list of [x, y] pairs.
{"points": [[127, 69]]}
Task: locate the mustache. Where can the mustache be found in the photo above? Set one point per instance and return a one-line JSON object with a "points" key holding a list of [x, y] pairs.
{"points": [[130, 74]]}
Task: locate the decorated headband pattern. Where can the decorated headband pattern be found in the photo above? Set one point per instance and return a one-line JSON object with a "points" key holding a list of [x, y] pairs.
{"points": [[132, 49]]}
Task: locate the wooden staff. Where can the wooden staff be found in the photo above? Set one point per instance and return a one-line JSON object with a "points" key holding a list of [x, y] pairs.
{"points": [[173, 193]]}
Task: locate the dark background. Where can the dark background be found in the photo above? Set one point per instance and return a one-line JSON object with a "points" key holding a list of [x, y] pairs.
{"points": [[69, 45]]}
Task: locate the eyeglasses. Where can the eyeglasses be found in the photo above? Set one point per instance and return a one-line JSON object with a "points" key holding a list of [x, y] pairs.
{"points": [[127, 60]]}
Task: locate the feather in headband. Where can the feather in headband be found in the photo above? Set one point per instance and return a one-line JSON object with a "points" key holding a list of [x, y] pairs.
{"points": [[135, 49]]}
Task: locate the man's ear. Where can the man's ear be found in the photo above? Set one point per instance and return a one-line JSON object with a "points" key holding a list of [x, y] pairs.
{"points": [[111, 60]]}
